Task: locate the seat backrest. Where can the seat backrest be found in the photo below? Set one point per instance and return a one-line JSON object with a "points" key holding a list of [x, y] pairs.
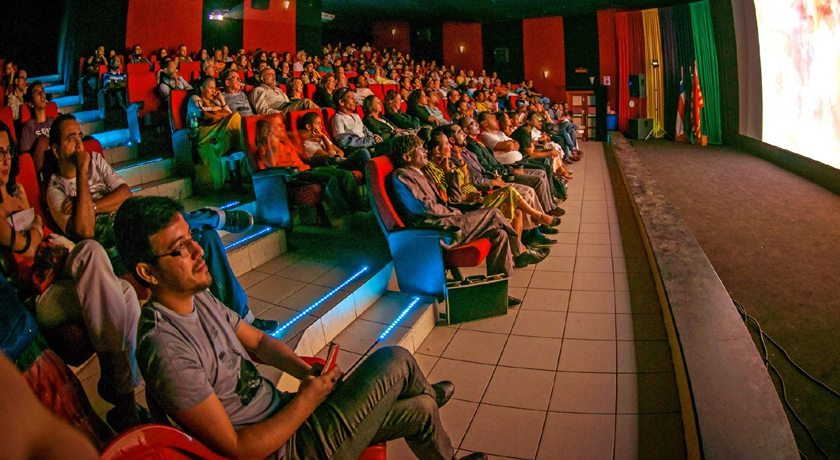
{"points": [[178, 101], [93, 145], [157, 442], [376, 89], [308, 90], [136, 67], [249, 133], [186, 69], [7, 118], [379, 172], [360, 111], [386, 88], [102, 70], [142, 87], [28, 179], [326, 116], [26, 113], [294, 127], [442, 106]]}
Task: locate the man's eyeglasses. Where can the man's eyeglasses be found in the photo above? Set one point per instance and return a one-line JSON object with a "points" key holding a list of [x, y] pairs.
{"points": [[185, 249]]}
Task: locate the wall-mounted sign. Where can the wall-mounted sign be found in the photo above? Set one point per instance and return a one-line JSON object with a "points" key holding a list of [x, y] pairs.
{"points": [[606, 81], [581, 70]]}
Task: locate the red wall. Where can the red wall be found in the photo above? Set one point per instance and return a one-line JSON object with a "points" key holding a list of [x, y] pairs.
{"points": [[468, 35], [543, 47], [609, 58], [272, 29], [153, 25], [400, 39]]}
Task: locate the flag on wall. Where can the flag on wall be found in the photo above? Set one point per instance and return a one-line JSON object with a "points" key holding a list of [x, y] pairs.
{"points": [[697, 104], [681, 112]]}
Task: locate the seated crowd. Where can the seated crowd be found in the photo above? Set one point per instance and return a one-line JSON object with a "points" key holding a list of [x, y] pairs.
{"points": [[467, 153]]}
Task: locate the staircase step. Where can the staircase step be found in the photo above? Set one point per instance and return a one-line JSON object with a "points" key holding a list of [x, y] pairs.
{"points": [[54, 78], [87, 116], [253, 248], [67, 104], [120, 154], [92, 127], [177, 188], [113, 138], [55, 89], [138, 172]]}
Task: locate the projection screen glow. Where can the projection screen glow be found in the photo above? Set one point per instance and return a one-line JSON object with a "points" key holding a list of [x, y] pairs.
{"points": [[800, 75]]}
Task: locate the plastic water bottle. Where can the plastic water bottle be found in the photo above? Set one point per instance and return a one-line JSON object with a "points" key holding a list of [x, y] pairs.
{"points": [[193, 127]]}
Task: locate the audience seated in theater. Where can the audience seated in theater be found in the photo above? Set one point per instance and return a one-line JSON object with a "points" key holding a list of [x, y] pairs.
{"points": [[235, 99], [505, 149], [162, 55], [379, 77], [274, 149], [418, 106], [523, 135], [218, 61], [362, 91], [222, 399], [208, 69], [394, 113], [377, 123], [284, 73], [310, 75], [482, 163], [405, 87], [519, 205], [86, 210], [202, 55], [183, 55], [348, 130], [317, 146], [242, 63], [255, 78], [16, 92], [137, 57], [85, 290], [452, 99], [35, 132], [218, 130], [268, 98], [7, 80], [434, 109], [171, 79], [323, 94], [294, 86], [420, 203]]}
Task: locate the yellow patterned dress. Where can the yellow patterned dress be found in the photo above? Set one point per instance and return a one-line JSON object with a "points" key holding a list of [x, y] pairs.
{"points": [[505, 198]]}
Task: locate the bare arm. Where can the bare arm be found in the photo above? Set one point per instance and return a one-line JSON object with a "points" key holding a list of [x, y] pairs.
{"points": [[506, 146], [112, 201], [82, 217], [271, 351]]}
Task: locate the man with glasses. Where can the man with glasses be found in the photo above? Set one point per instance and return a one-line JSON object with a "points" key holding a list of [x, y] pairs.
{"points": [[268, 98], [235, 99], [194, 355], [15, 99], [171, 80], [86, 210]]}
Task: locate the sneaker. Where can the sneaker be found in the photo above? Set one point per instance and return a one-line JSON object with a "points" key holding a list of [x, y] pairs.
{"points": [[236, 221], [528, 257], [266, 325]]}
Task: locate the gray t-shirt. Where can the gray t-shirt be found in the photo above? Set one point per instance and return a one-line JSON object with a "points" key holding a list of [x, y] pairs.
{"points": [[239, 103], [186, 358]]}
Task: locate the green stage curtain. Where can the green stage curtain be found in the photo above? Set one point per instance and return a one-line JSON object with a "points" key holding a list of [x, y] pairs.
{"points": [[653, 51], [707, 69]]}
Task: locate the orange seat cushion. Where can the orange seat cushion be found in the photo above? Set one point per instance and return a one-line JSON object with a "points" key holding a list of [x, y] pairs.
{"points": [[467, 255]]}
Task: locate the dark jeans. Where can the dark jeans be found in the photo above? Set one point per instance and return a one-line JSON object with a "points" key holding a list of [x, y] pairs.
{"points": [[355, 161], [386, 398], [339, 185], [224, 286]]}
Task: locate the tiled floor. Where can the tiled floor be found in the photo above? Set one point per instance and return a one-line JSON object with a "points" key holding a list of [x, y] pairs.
{"points": [[581, 369]]}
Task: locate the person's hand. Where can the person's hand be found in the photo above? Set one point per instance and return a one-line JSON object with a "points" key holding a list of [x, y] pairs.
{"points": [[81, 159], [377, 138], [316, 389], [498, 182], [473, 197]]}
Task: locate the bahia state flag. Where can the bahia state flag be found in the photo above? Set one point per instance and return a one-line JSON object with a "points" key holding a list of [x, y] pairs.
{"points": [[681, 112]]}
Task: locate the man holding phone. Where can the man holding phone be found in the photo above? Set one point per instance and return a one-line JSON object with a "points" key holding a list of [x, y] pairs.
{"points": [[194, 356]]}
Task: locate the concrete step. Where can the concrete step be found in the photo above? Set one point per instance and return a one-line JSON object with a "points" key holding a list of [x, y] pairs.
{"points": [[113, 138], [253, 248], [48, 79], [68, 104], [177, 188], [57, 90], [92, 127], [137, 172], [120, 154]]}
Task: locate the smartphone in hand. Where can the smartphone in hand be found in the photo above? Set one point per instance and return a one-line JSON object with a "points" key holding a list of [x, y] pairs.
{"points": [[332, 356]]}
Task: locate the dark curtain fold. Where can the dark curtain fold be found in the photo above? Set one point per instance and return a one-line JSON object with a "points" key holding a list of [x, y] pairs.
{"points": [[637, 64], [622, 37], [707, 70], [677, 62]]}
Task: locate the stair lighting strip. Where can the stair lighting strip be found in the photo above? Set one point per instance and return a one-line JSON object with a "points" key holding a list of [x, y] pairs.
{"points": [[398, 319], [229, 205], [249, 237], [318, 302], [136, 189], [139, 164]]}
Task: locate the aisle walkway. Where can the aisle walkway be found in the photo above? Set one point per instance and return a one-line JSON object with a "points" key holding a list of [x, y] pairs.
{"points": [[582, 369]]}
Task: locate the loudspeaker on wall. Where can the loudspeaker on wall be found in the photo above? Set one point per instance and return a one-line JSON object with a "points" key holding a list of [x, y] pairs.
{"points": [[639, 128], [638, 88]]}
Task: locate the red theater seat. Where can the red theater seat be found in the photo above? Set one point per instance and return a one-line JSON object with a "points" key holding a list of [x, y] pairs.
{"points": [[377, 91], [419, 260], [137, 67], [187, 69], [181, 143], [142, 87], [328, 114], [308, 90], [7, 118], [26, 113]]}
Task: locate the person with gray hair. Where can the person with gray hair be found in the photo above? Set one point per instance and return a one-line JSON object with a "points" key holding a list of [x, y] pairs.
{"points": [[268, 98]]}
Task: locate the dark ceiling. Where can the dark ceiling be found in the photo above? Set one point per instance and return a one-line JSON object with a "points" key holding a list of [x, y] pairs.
{"points": [[475, 10]]}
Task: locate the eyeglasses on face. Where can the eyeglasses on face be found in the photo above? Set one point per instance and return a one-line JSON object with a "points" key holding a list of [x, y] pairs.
{"points": [[185, 249]]}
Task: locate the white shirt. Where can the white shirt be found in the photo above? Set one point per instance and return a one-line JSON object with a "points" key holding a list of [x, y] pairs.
{"points": [[491, 139], [297, 67], [348, 123], [361, 94], [102, 180]]}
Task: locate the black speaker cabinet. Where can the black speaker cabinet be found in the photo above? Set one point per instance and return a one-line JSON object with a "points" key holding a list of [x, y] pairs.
{"points": [[638, 88], [640, 128]]}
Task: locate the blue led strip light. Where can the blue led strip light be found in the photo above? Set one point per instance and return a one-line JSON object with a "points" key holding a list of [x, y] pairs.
{"points": [[229, 205], [139, 164], [318, 302], [136, 189], [249, 237], [399, 318]]}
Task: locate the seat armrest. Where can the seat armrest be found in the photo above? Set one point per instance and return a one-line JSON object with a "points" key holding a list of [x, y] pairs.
{"points": [[447, 234], [288, 171]]}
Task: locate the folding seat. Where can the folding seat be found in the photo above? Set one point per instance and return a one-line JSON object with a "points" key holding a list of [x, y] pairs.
{"points": [[308, 90], [26, 113], [327, 115], [283, 87], [190, 70], [420, 262], [142, 87], [7, 118], [442, 106], [136, 67], [377, 91], [181, 143]]}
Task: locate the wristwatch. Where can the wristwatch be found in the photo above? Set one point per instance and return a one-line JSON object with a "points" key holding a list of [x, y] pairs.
{"points": [[94, 207]]}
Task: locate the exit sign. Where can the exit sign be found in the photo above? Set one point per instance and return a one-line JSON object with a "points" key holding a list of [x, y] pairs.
{"points": [[581, 70]]}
